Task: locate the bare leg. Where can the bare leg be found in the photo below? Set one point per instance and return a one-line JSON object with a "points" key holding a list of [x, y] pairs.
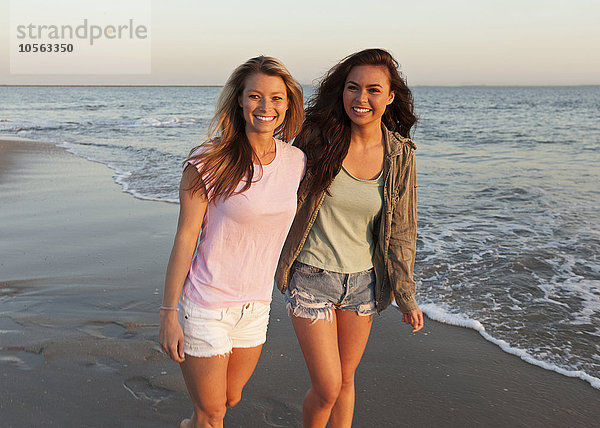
{"points": [[216, 383], [206, 381], [319, 344], [242, 362], [352, 333]]}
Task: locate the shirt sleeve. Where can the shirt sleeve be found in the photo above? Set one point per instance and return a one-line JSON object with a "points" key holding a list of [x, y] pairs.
{"points": [[403, 239]]}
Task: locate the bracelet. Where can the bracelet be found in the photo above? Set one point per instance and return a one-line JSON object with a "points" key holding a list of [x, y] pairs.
{"points": [[169, 308]]}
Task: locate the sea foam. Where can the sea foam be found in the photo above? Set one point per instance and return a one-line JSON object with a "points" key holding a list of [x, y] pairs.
{"points": [[440, 314]]}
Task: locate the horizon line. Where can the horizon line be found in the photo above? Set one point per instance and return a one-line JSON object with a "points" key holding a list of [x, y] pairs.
{"points": [[175, 85]]}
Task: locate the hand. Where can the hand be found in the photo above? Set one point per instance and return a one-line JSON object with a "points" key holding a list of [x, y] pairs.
{"points": [[170, 336], [414, 318]]}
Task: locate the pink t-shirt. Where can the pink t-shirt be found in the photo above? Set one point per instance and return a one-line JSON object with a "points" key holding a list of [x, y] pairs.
{"points": [[242, 237]]}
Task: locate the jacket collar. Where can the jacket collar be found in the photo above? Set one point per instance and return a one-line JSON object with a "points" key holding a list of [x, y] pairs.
{"points": [[394, 142]]}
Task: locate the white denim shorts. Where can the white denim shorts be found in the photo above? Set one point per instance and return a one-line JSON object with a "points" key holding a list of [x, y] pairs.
{"points": [[215, 332]]}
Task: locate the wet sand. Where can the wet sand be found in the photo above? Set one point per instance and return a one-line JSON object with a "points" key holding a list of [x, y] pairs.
{"points": [[81, 275]]}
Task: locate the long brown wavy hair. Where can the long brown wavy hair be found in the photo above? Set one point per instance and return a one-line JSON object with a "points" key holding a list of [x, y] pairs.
{"points": [[225, 158], [325, 135]]}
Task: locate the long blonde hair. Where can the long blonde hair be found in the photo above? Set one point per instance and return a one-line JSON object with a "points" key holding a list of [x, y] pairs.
{"points": [[225, 158]]}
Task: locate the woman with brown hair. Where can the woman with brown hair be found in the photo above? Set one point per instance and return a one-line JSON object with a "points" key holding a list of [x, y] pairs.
{"points": [[351, 247], [238, 198]]}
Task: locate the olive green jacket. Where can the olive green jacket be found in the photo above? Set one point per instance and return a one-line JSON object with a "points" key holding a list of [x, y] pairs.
{"points": [[394, 256]]}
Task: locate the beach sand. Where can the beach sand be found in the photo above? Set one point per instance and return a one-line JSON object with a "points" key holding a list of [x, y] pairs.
{"points": [[81, 275]]}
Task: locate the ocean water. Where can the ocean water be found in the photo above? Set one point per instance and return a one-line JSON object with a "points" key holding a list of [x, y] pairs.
{"points": [[509, 196]]}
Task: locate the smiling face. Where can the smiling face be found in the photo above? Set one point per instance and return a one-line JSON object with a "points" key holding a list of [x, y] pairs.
{"points": [[366, 94], [264, 102]]}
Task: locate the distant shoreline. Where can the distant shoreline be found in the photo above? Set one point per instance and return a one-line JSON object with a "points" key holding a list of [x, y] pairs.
{"points": [[304, 84], [111, 86]]}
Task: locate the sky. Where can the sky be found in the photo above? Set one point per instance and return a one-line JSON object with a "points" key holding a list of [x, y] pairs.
{"points": [[436, 42]]}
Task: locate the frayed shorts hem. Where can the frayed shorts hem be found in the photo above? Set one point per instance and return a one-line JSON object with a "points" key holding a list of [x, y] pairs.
{"points": [[327, 314], [202, 353]]}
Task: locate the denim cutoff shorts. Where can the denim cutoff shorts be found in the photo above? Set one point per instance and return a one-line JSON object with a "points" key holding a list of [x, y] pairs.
{"points": [[209, 332], [314, 293]]}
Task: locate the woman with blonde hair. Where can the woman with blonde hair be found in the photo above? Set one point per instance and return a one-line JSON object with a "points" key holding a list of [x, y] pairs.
{"points": [[237, 201], [351, 248]]}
